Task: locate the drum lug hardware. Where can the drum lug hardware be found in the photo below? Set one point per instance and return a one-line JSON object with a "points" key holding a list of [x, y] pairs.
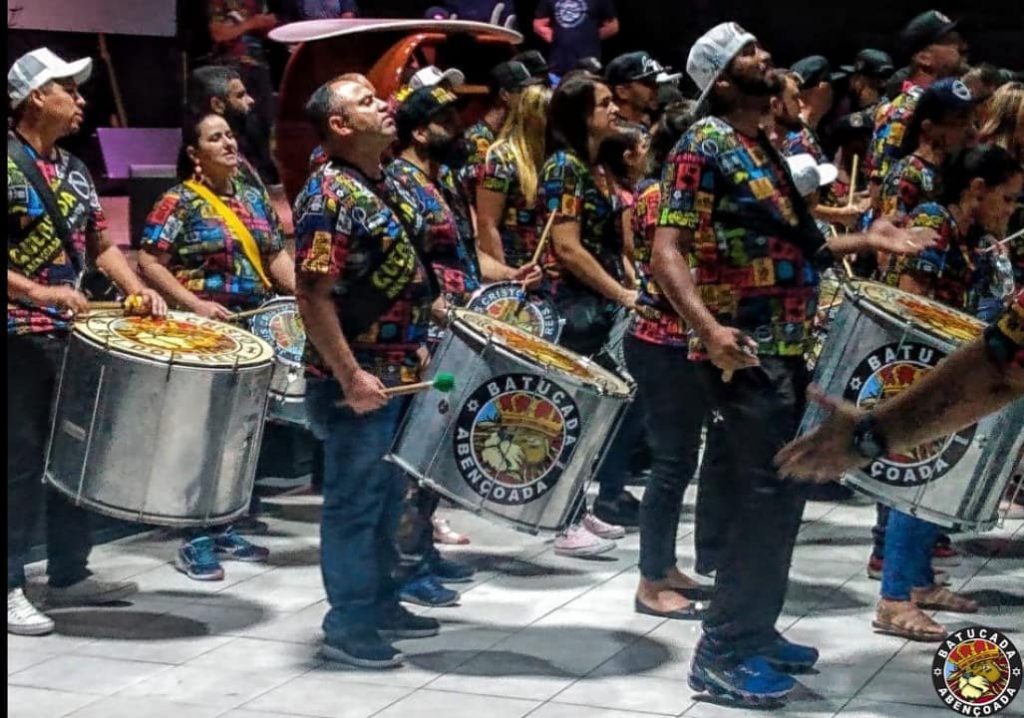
{"points": [[443, 407]]}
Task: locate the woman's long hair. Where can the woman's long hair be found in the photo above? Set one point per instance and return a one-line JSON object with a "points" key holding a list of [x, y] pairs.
{"points": [[1005, 120], [572, 104], [990, 163], [524, 135], [673, 124]]}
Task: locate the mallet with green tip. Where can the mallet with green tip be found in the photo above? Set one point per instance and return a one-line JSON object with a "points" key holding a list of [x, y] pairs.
{"points": [[443, 382]]}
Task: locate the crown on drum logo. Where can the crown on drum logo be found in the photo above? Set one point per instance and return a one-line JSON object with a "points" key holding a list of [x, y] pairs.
{"points": [[531, 413], [969, 654]]}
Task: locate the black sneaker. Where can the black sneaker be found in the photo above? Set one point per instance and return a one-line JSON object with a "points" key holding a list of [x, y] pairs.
{"points": [[623, 510], [363, 648], [400, 623]]}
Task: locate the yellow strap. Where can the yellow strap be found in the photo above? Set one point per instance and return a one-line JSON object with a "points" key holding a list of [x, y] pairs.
{"points": [[241, 232]]}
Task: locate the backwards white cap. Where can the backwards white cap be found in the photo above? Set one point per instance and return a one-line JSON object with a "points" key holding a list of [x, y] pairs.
{"points": [[808, 175], [713, 52]]}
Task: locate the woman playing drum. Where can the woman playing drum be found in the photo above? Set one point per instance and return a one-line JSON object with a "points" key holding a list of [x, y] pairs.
{"points": [[980, 189], [587, 242], [214, 245]]}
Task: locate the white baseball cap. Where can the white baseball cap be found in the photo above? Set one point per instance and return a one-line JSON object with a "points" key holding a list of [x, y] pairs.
{"points": [[431, 75], [808, 175], [34, 69], [713, 52]]}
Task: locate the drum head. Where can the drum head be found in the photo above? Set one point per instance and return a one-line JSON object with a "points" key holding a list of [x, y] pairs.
{"points": [[925, 316], [179, 338], [281, 327], [508, 302], [538, 352]]}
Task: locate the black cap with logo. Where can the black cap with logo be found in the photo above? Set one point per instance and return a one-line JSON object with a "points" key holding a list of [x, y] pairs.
{"points": [[814, 70], [512, 76], [925, 30], [417, 107], [873, 63], [534, 62], [633, 67]]}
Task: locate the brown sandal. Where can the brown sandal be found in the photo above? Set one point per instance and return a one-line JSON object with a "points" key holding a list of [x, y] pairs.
{"points": [[938, 598], [905, 620]]}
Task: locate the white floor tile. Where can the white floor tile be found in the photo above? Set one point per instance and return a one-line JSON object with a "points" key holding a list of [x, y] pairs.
{"points": [[249, 654], [85, 674], [208, 686], [25, 702], [124, 707], [629, 693], [314, 696], [431, 704]]}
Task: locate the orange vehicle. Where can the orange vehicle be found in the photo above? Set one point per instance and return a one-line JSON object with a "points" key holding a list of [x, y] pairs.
{"points": [[388, 52]]}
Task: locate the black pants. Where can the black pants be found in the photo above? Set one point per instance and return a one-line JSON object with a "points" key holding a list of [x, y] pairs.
{"points": [[674, 410], [416, 530], [718, 485], [33, 368], [761, 410]]}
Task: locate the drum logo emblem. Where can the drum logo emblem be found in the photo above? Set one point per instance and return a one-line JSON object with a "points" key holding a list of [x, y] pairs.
{"points": [[884, 373], [514, 435], [506, 304], [977, 671]]}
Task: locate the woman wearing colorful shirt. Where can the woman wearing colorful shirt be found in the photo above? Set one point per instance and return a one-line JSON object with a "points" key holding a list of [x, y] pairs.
{"points": [[198, 261], [587, 242], [655, 349], [980, 189], [1005, 128], [506, 196]]}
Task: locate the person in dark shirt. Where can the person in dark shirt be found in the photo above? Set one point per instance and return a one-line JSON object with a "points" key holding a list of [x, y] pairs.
{"points": [[574, 29], [327, 9]]}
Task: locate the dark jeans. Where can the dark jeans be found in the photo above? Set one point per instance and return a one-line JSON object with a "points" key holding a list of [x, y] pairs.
{"points": [[361, 510], [761, 408], [673, 413], [716, 489], [33, 368]]}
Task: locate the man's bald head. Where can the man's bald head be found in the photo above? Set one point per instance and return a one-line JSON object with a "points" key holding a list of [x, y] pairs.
{"points": [[348, 106]]}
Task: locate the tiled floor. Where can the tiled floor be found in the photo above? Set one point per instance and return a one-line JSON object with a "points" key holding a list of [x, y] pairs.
{"points": [[536, 635]]}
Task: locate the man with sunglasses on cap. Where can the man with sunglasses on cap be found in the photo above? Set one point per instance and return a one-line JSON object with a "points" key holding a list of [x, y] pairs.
{"points": [[730, 204], [634, 79], [54, 225], [936, 51]]}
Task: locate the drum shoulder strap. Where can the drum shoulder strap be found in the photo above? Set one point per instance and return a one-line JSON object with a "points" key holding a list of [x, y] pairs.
{"points": [[27, 165]]}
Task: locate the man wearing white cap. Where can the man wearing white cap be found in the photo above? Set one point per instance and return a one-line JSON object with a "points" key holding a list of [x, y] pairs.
{"points": [[54, 221], [729, 200]]}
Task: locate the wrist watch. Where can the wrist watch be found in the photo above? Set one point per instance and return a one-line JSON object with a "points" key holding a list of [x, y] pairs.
{"points": [[868, 440]]}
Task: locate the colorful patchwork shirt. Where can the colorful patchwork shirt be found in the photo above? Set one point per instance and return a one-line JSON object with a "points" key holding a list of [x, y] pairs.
{"points": [[518, 229], [891, 121], [477, 140], [911, 181], [753, 239], [247, 48], [33, 247], [1005, 338], [568, 186], [354, 230], [205, 256], [948, 272], [446, 245], [656, 321]]}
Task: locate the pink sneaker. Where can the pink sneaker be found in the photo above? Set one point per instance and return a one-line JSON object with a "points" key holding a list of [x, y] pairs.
{"points": [[602, 528], [578, 541]]}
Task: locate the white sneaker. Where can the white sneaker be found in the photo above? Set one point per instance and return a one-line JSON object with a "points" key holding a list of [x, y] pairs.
{"points": [[578, 541], [602, 528], [24, 619], [90, 591]]}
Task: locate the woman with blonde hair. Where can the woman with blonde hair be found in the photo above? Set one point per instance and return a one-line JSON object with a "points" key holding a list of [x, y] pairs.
{"points": [[1005, 124], [506, 195]]}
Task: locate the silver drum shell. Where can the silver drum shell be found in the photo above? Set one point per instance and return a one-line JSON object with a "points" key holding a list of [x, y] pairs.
{"points": [[966, 497], [424, 445], [156, 443]]}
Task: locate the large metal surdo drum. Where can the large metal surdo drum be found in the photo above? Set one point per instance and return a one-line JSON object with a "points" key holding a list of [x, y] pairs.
{"points": [[160, 420], [881, 341], [523, 432]]}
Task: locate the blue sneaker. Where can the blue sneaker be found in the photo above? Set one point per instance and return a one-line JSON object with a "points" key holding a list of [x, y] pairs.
{"points": [[783, 655], [363, 648], [448, 571], [752, 681], [198, 560], [230, 545], [425, 590]]}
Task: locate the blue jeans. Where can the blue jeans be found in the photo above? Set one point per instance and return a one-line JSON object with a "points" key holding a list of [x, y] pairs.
{"points": [[362, 507], [908, 555]]}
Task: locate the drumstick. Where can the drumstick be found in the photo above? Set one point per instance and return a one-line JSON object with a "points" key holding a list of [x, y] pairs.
{"points": [[443, 382], [1016, 235], [249, 313], [543, 240], [853, 179], [105, 306]]}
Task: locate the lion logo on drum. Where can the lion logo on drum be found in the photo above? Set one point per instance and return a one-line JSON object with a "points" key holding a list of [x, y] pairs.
{"points": [[884, 373], [514, 435], [977, 671]]}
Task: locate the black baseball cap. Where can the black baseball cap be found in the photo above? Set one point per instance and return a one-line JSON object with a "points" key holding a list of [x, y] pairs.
{"points": [[633, 67], [925, 30], [855, 123], [535, 63], [417, 107], [814, 70], [870, 62], [512, 76], [590, 64]]}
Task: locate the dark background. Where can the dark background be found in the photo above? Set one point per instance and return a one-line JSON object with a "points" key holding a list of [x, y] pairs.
{"points": [[150, 70]]}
